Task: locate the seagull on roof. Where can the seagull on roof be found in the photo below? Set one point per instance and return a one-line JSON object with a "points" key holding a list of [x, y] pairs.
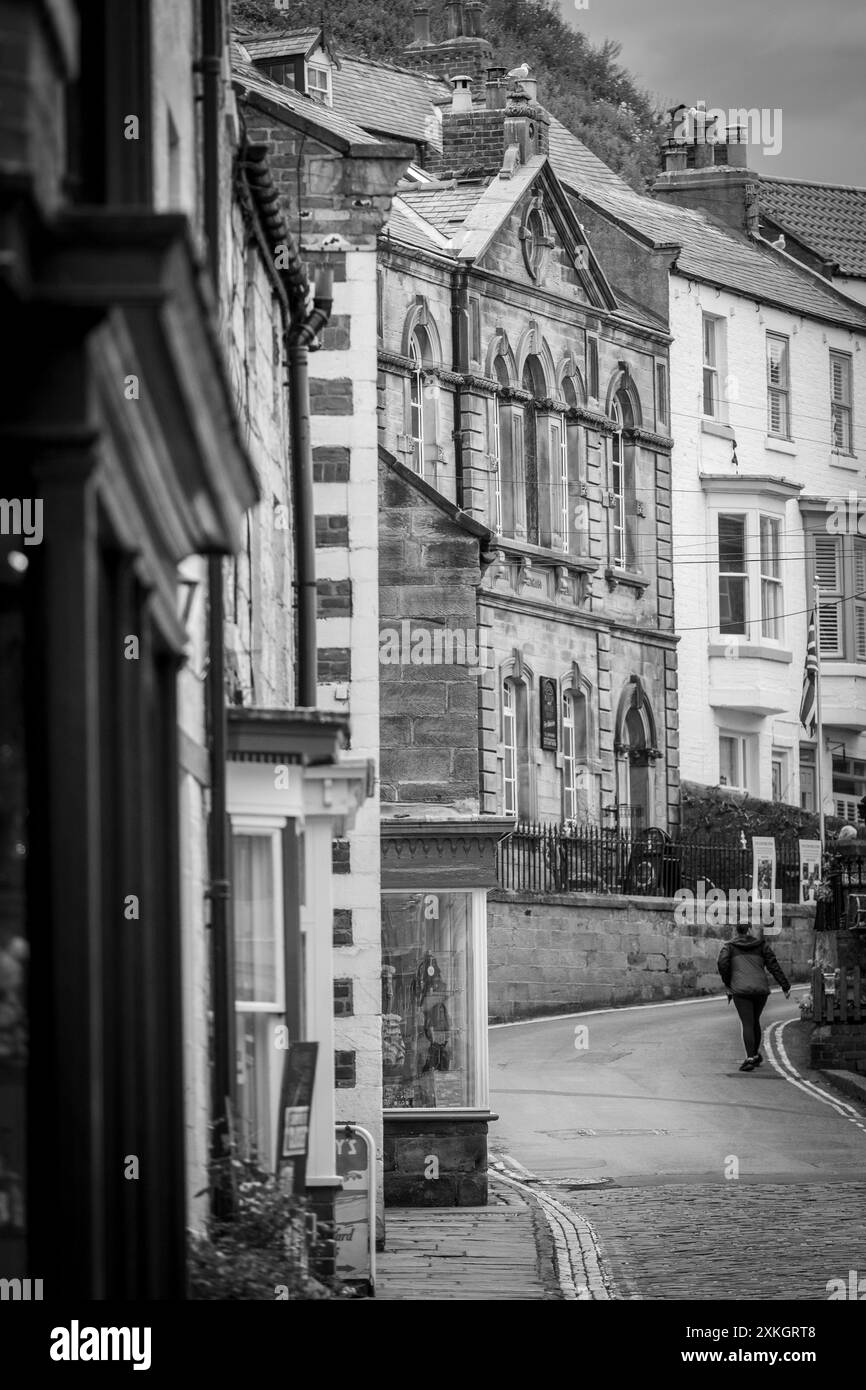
{"points": [[521, 72]]}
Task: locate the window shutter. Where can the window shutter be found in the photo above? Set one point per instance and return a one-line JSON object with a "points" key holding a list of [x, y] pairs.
{"points": [[775, 413], [827, 573]]}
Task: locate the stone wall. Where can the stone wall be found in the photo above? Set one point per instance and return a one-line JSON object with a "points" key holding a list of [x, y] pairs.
{"points": [[555, 953]]}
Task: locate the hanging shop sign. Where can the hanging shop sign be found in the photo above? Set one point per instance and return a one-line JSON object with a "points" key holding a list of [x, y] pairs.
{"points": [[548, 703]]}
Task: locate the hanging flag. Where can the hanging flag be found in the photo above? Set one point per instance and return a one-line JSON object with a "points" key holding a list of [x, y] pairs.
{"points": [[809, 701]]}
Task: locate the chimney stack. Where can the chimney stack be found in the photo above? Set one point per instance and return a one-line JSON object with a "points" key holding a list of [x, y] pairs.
{"points": [[454, 19], [465, 50], [706, 167], [421, 20]]}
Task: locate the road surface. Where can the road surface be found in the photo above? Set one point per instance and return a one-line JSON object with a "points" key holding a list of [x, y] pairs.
{"points": [[697, 1180]]}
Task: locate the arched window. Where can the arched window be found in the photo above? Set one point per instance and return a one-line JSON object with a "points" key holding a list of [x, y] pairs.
{"points": [[576, 512], [422, 424], [516, 785], [574, 752], [506, 449], [617, 487]]}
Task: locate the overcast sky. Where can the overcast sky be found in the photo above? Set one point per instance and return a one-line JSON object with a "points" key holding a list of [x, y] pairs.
{"points": [[806, 58]]}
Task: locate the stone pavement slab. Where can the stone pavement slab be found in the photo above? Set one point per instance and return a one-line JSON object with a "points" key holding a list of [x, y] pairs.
{"points": [[501, 1251]]}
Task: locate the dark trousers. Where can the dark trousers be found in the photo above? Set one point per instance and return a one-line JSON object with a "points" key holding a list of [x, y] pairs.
{"points": [[750, 1007]]}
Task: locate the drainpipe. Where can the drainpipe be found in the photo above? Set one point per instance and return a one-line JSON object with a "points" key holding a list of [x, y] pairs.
{"points": [[222, 1002], [460, 364], [304, 327]]}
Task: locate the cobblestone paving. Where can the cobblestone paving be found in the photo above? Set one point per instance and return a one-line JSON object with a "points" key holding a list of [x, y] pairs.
{"points": [[755, 1241]]}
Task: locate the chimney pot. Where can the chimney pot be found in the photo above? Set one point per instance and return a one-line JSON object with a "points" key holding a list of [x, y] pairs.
{"points": [[421, 19], [675, 156], [473, 18], [454, 18], [461, 97]]}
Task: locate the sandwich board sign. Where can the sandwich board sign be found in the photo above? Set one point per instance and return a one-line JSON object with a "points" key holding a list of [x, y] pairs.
{"points": [[355, 1212]]}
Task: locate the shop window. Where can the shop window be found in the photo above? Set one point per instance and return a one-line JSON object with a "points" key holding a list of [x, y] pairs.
{"points": [[428, 1011]]}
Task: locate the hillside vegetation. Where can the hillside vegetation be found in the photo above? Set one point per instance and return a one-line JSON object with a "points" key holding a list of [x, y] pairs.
{"points": [[581, 83]]}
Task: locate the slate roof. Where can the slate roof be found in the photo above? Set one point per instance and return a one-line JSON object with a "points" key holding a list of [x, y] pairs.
{"points": [[575, 164], [389, 100], [287, 45], [249, 79], [829, 218], [408, 232], [444, 208], [720, 257]]}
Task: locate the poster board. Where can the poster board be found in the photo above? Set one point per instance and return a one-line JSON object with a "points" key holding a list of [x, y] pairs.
{"points": [[296, 1097], [764, 897], [810, 869]]}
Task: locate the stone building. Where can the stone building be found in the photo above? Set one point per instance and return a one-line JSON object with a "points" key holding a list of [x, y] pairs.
{"points": [[767, 399]]}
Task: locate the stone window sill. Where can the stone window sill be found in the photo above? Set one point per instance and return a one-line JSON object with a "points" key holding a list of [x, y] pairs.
{"points": [[717, 427], [848, 462], [741, 650], [780, 446], [630, 578]]}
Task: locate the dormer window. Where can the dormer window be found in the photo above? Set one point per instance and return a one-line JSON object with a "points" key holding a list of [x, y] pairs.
{"points": [[301, 61]]}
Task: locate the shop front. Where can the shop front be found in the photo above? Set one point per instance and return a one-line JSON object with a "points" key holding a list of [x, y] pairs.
{"points": [[435, 879]]}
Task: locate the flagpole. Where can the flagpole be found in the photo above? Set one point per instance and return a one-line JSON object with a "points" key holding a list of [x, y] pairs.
{"points": [[819, 727]]}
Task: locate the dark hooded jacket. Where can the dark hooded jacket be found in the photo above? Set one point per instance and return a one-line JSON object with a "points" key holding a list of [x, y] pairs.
{"points": [[743, 966]]}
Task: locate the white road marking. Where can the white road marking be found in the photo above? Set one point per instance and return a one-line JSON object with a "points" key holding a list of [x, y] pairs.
{"points": [[785, 1067], [626, 1009]]}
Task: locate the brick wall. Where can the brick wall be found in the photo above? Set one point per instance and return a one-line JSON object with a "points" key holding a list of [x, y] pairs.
{"points": [[555, 953]]}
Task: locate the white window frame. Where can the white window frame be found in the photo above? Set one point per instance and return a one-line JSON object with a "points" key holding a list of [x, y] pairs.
{"points": [[712, 359], [780, 757], [744, 746], [858, 602], [779, 387], [662, 394], [771, 583], [317, 92], [841, 403], [271, 830], [494, 455], [742, 574]]}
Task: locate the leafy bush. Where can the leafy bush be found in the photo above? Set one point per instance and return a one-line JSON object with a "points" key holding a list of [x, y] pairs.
{"points": [[260, 1252], [710, 813]]}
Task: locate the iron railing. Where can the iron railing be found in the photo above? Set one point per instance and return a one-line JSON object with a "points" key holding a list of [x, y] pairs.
{"points": [[556, 858]]}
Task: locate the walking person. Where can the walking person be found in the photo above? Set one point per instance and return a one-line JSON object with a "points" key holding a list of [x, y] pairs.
{"points": [[743, 966]]}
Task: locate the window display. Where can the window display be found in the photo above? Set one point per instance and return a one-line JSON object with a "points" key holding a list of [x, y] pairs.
{"points": [[427, 999]]}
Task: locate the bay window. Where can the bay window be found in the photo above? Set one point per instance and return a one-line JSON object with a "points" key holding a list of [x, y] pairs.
{"points": [[771, 578], [733, 576], [750, 575]]}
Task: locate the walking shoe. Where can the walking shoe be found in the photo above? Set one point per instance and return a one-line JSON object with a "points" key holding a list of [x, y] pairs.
{"points": [[757, 1059], [748, 1065]]}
